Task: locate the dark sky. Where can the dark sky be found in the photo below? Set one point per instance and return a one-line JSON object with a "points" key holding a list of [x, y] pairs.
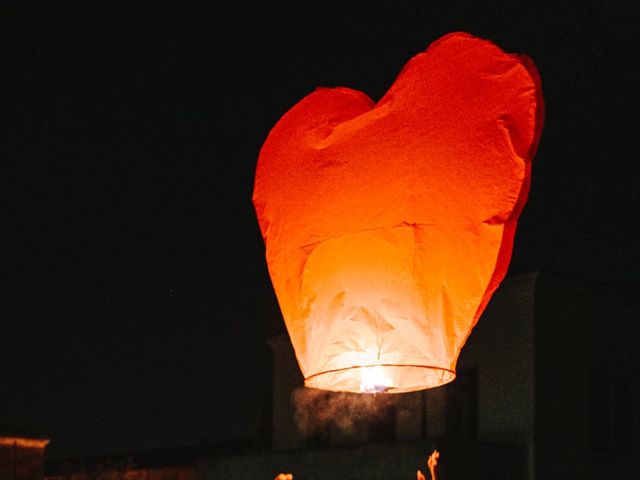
{"points": [[135, 298]]}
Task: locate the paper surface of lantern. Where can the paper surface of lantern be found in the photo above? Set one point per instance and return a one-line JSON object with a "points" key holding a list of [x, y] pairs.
{"points": [[388, 226]]}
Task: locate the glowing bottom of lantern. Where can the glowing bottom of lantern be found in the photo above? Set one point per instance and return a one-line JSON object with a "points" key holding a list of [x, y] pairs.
{"points": [[381, 378]]}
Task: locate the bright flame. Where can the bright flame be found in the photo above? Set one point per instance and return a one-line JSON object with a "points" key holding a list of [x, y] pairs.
{"points": [[431, 463], [373, 380]]}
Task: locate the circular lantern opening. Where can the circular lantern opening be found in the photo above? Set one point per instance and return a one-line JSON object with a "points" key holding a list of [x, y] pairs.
{"points": [[381, 378]]}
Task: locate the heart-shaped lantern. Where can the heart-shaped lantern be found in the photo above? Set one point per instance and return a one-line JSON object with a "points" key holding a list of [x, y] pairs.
{"points": [[388, 226]]}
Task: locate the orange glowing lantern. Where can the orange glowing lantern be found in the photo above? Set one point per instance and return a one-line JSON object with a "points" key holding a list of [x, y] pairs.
{"points": [[388, 226]]}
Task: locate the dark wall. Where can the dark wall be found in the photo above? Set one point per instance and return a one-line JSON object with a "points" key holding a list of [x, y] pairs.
{"points": [[586, 380]]}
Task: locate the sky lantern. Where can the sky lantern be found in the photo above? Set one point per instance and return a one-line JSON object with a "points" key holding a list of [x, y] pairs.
{"points": [[389, 225]]}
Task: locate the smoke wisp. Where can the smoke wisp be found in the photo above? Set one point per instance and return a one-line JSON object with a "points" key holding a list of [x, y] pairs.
{"points": [[319, 411]]}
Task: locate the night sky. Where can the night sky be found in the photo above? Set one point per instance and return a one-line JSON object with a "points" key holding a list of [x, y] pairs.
{"points": [[135, 298]]}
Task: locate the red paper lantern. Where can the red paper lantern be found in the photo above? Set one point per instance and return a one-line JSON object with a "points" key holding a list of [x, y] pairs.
{"points": [[389, 225]]}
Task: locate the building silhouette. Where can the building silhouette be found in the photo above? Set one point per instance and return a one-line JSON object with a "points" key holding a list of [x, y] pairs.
{"points": [[547, 387]]}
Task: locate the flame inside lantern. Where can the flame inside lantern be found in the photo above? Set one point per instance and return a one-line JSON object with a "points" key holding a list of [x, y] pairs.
{"points": [[374, 380], [388, 226]]}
